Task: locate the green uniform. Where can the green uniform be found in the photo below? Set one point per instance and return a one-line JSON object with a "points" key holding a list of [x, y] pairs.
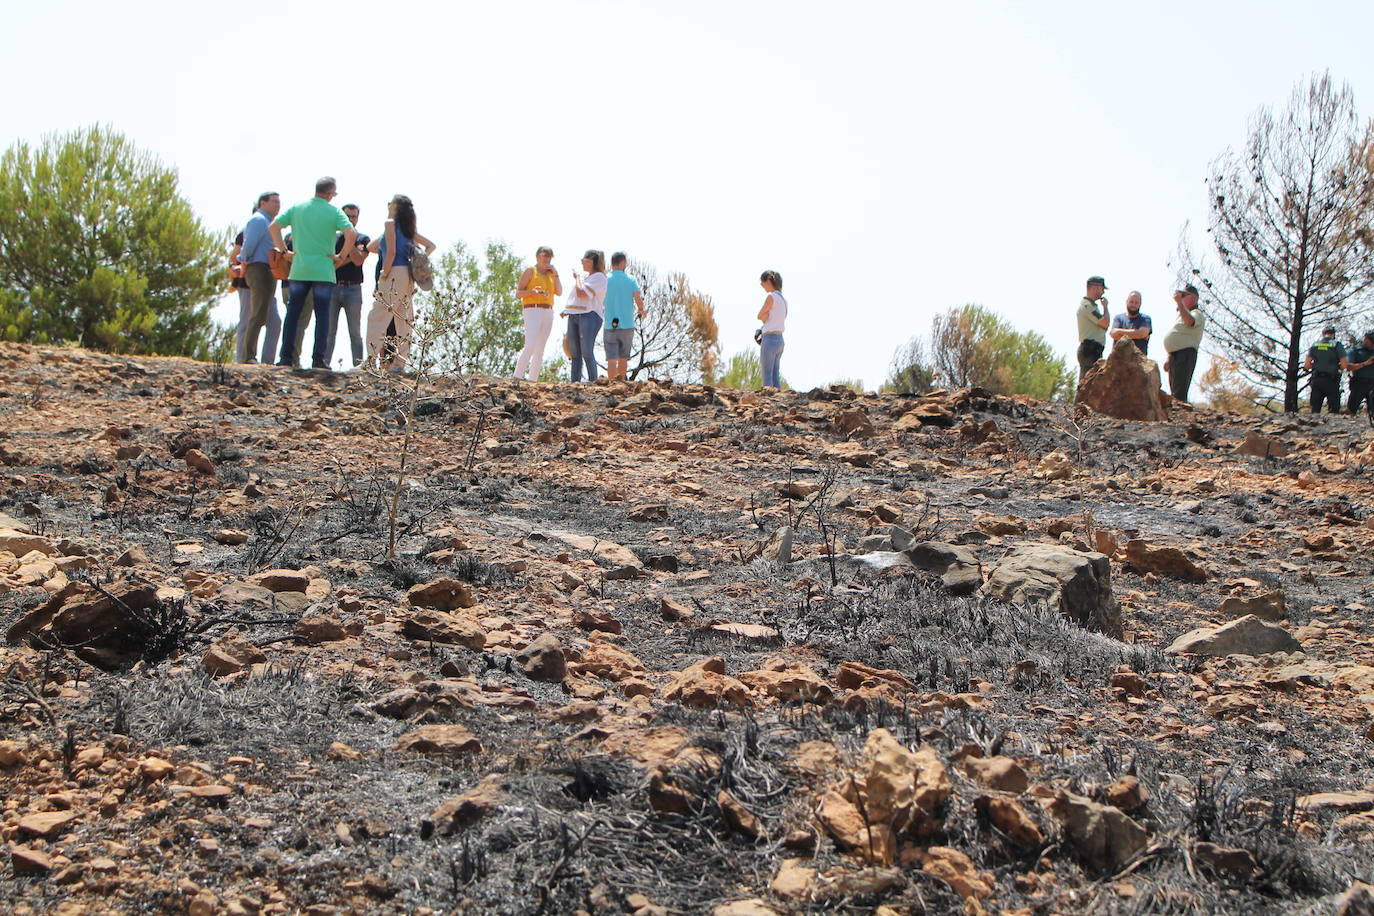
{"points": [[1361, 380], [1092, 337], [1326, 355]]}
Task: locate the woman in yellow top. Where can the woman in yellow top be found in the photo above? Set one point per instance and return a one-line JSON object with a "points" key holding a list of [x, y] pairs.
{"points": [[538, 287]]}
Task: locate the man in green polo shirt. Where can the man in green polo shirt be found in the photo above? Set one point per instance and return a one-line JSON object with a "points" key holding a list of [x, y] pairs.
{"points": [[1182, 342], [1092, 325], [313, 225]]}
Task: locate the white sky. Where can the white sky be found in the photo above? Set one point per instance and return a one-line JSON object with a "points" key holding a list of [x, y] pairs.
{"points": [[889, 159]]}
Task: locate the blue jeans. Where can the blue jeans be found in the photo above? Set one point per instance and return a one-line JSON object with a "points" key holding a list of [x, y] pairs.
{"points": [[582, 331], [770, 355], [324, 296], [349, 300]]}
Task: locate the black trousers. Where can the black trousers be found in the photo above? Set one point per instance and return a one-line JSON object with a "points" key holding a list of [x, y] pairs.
{"points": [[1326, 388], [1181, 366], [1089, 352], [1361, 392]]}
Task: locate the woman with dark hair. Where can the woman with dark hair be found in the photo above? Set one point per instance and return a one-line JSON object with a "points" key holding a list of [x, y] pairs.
{"points": [[774, 316], [585, 310], [393, 315], [537, 288]]}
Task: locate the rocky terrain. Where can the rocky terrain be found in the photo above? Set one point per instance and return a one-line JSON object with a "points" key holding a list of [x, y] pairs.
{"points": [[648, 649]]}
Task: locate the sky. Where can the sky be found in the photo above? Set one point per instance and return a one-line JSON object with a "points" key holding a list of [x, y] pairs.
{"points": [[890, 159]]}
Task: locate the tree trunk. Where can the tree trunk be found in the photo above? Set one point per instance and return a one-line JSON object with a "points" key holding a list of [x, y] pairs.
{"points": [[1290, 374]]}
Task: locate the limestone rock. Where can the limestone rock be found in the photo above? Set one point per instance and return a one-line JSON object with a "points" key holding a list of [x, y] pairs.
{"points": [[705, 685], [1258, 445], [450, 629], [230, 654], [543, 659], [854, 423], [440, 595], [957, 870], [790, 681], [1125, 385], [440, 739], [1270, 606], [958, 567], [1077, 582], [1247, 636], [320, 629], [28, 861], [471, 806], [1000, 773], [1009, 817], [1166, 561], [280, 580], [1358, 900], [1057, 465], [46, 824], [107, 624], [199, 461], [1103, 836]]}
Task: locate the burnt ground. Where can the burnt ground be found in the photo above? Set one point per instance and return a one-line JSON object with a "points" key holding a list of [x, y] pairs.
{"points": [[609, 785]]}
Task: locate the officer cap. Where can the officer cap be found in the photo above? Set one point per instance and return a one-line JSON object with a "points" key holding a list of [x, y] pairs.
{"points": [[1097, 281]]}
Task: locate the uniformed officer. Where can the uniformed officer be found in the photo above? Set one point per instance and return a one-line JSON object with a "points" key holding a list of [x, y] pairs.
{"points": [[1092, 325], [1360, 362], [1325, 360]]}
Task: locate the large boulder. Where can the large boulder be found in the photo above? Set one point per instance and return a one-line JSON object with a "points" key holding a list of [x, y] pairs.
{"points": [[1247, 636], [1124, 385], [1078, 582], [1104, 837], [109, 627]]}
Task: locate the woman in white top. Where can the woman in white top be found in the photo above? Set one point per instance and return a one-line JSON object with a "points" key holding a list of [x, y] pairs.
{"points": [[774, 316], [586, 309]]}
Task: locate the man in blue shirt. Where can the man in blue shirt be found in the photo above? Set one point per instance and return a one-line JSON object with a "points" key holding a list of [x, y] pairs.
{"points": [[624, 302], [262, 286], [1133, 324]]}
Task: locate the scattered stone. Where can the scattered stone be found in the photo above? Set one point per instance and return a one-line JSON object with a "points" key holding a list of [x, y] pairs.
{"points": [[46, 824], [233, 537], [1358, 900], [447, 739], [779, 546], [440, 595], [958, 567], [654, 512], [739, 817], [1239, 863], [705, 685], [1077, 582], [1337, 801], [1247, 636], [1166, 561], [1104, 837], [133, 555], [29, 861], [789, 681], [1258, 445], [155, 767], [1127, 794], [471, 806], [672, 610], [543, 659], [12, 754], [1269, 607], [280, 580], [316, 630], [746, 630], [854, 424], [1057, 465], [957, 870], [199, 461], [1009, 817], [1000, 773], [106, 623], [751, 907], [1125, 385], [586, 619], [451, 629], [340, 751], [794, 880], [230, 654]]}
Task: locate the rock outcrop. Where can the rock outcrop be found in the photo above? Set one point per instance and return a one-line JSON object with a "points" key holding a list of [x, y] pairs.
{"points": [[1125, 385]]}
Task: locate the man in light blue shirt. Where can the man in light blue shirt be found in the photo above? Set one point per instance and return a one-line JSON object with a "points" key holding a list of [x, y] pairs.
{"points": [[624, 303], [1133, 324], [262, 286]]}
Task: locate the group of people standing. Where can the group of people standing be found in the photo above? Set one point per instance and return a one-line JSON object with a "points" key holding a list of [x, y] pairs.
{"points": [[1181, 343], [1326, 359], [320, 263]]}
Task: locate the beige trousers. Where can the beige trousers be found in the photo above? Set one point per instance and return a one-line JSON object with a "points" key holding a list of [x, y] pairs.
{"points": [[392, 302]]}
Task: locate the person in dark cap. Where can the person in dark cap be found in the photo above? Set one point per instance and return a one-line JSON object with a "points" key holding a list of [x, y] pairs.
{"points": [[1092, 325], [1325, 360], [1182, 341], [1360, 363]]}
